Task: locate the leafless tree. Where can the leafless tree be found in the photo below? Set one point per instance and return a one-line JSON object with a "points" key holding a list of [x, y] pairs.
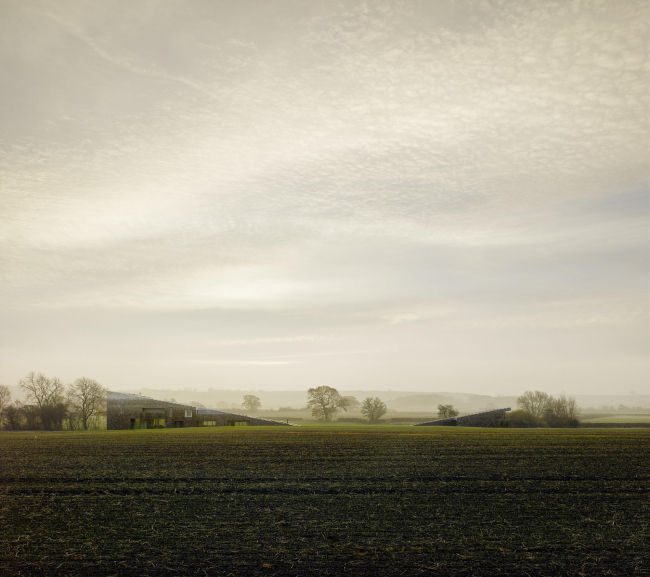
{"points": [[42, 391], [47, 396], [87, 399], [561, 411], [534, 402], [553, 412], [373, 409], [5, 401], [567, 407]]}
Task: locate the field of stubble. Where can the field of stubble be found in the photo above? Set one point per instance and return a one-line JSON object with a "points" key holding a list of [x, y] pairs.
{"points": [[341, 501]]}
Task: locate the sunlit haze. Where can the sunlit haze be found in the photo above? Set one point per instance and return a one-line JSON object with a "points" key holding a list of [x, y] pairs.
{"points": [[276, 195]]}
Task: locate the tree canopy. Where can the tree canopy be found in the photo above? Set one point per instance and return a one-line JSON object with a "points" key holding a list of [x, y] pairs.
{"points": [[533, 402], [373, 409], [325, 402], [87, 398], [50, 404], [551, 411], [251, 403], [447, 411], [47, 397], [353, 403]]}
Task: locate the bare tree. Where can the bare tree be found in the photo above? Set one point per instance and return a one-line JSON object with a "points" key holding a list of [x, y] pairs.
{"points": [[554, 412], [251, 403], [325, 402], [573, 411], [5, 401], [42, 391], [73, 419], [373, 409], [561, 412], [48, 398], [87, 399], [534, 402], [447, 411]]}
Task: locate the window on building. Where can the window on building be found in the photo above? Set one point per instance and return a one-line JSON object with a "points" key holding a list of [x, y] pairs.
{"points": [[188, 413], [147, 423], [207, 423]]}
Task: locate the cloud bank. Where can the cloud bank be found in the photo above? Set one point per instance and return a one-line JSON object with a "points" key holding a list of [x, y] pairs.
{"points": [[458, 192]]}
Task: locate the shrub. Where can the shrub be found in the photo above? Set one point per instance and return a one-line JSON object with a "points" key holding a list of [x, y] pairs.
{"points": [[519, 420]]}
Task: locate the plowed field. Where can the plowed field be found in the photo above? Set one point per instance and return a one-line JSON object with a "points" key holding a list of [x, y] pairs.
{"points": [[340, 501]]}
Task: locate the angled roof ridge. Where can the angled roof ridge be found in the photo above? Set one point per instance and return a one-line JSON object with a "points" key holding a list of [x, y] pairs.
{"points": [[483, 412]]}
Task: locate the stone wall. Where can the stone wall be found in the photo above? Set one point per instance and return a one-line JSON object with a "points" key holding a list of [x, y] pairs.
{"points": [[484, 419], [122, 409]]}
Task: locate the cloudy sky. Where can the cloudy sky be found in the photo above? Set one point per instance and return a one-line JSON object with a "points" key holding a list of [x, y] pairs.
{"points": [[422, 195]]}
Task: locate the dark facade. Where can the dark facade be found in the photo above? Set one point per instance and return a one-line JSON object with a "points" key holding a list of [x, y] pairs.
{"points": [[125, 411], [484, 419]]}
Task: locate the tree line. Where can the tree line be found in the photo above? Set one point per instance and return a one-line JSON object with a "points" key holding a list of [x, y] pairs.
{"points": [[536, 408], [325, 402], [52, 405]]}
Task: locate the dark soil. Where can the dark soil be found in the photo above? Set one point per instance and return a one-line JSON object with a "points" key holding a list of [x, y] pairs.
{"points": [[340, 501]]}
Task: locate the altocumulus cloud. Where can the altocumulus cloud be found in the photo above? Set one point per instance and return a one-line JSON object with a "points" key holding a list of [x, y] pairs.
{"points": [[421, 182]]}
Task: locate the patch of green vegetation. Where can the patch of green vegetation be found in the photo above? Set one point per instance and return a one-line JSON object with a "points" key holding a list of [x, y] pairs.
{"points": [[618, 419], [326, 499]]}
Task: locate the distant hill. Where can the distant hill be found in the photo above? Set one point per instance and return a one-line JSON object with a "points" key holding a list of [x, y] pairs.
{"points": [[463, 402], [403, 401]]}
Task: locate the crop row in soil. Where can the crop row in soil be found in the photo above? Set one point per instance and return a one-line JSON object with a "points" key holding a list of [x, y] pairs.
{"points": [[332, 501]]}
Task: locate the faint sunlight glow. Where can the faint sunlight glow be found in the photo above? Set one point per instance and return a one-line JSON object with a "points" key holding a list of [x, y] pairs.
{"points": [[389, 194]]}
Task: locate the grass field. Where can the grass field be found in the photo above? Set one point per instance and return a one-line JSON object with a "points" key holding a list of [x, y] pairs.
{"points": [[618, 419], [326, 501]]}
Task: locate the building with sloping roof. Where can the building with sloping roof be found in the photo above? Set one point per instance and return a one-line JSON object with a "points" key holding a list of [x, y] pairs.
{"points": [[127, 411], [484, 419]]}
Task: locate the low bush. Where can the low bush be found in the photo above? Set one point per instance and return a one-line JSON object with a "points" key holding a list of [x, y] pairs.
{"points": [[555, 421], [519, 420]]}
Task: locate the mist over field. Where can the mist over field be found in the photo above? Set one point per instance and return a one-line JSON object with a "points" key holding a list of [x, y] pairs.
{"points": [[409, 195]]}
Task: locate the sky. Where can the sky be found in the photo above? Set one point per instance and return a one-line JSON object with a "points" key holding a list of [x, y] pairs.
{"points": [[419, 195]]}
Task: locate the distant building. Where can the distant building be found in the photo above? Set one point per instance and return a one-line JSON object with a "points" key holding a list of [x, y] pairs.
{"points": [[484, 419], [125, 411]]}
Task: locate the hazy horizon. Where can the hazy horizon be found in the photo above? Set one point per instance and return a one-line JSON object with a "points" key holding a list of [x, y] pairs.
{"points": [[415, 196]]}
